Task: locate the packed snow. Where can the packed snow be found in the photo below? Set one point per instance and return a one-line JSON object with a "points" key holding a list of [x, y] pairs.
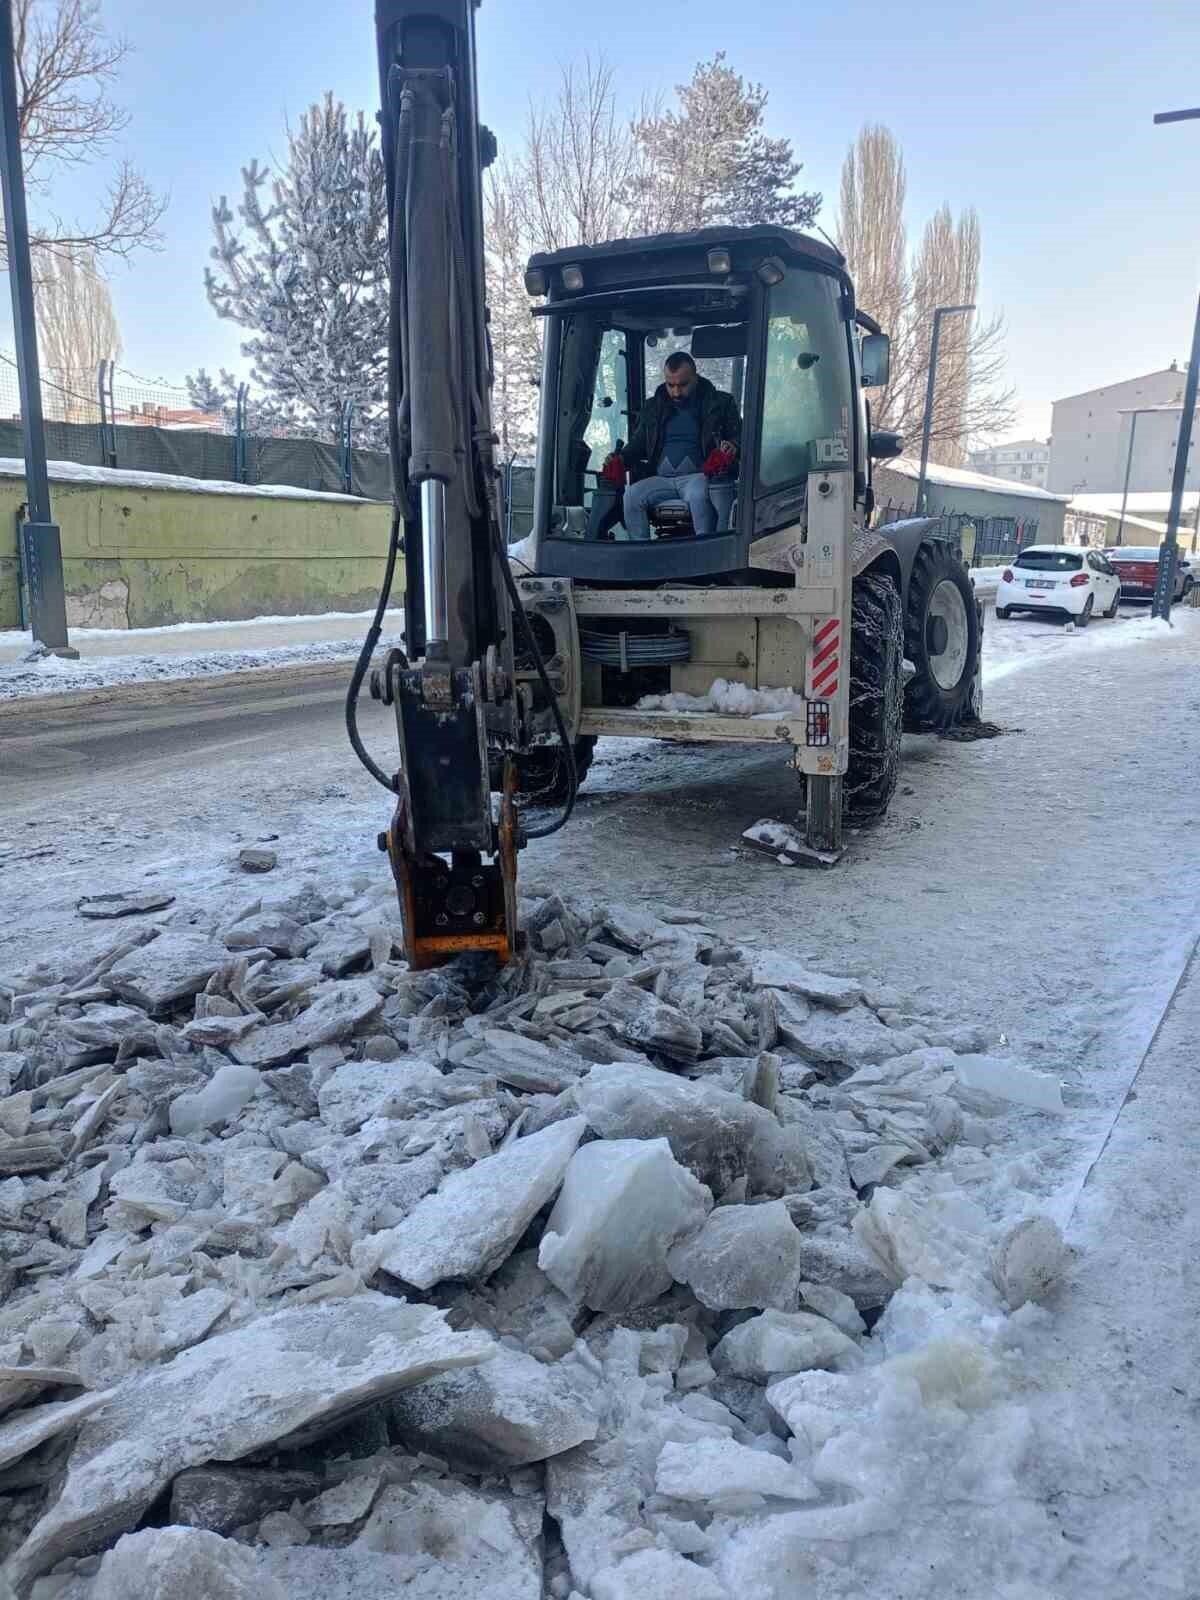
{"points": [[731, 699], [711, 1256], [129, 478], [47, 674]]}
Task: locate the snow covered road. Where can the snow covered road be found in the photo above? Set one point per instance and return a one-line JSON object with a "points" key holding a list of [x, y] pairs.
{"points": [[1042, 884]]}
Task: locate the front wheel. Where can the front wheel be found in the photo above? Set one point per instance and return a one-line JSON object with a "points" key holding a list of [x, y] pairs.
{"points": [[941, 639], [876, 698], [1112, 610]]}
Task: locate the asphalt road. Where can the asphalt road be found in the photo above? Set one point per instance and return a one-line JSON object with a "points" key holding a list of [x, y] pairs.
{"points": [[63, 746]]}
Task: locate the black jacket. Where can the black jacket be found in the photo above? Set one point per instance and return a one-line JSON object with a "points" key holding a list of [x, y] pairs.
{"points": [[718, 420]]}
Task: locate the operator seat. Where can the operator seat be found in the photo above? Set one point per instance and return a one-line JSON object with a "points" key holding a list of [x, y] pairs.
{"points": [[673, 520]]}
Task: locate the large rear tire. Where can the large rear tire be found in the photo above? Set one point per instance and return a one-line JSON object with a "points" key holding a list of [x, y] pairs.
{"points": [[876, 698], [941, 639]]}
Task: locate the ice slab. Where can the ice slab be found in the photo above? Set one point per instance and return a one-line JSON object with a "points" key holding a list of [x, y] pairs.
{"points": [[624, 1204], [782, 1341], [299, 1369], [1008, 1080], [743, 1256], [474, 1221], [506, 1413]]}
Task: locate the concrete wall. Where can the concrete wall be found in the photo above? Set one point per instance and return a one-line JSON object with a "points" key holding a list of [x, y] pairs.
{"points": [[1155, 438], [140, 557], [1085, 434]]}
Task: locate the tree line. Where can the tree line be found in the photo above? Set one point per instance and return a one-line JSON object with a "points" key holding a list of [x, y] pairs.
{"points": [[301, 264]]}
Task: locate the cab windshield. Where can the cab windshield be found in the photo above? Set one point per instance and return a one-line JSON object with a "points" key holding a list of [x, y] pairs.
{"points": [[670, 472]]}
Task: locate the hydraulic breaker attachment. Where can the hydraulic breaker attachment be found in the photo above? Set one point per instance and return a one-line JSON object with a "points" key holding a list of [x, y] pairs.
{"points": [[444, 808]]}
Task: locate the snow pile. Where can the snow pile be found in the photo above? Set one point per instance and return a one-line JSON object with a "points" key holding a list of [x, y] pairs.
{"points": [[54, 675], [731, 700], [363, 1272]]}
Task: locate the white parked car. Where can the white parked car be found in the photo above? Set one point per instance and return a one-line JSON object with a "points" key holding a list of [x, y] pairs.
{"points": [[1060, 580]]}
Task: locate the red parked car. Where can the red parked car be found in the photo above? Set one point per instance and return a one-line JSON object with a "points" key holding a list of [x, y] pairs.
{"points": [[1137, 567]]}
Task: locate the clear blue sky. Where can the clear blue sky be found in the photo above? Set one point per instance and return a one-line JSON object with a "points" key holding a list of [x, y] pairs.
{"points": [[1039, 115]]}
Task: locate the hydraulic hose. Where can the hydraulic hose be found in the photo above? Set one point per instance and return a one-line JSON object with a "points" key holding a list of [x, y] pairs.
{"points": [[364, 660]]}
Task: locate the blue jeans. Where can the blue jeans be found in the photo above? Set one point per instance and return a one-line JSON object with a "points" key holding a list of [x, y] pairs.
{"points": [[691, 487]]}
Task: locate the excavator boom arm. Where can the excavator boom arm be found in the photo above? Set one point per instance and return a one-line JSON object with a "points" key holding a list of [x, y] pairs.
{"points": [[453, 694]]}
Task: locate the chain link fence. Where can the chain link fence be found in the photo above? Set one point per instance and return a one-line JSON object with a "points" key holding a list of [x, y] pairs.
{"points": [[112, 418]]}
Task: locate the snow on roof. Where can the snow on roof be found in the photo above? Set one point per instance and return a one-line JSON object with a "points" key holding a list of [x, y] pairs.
{"points": [[1012, 444], [1156, 502], [123, 478], [963, 478]]}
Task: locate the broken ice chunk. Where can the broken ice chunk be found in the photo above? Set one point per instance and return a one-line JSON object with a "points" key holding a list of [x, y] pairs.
{"points": [[169, 969], [624, 1203], [167, 1563], [359, 1090], [720, 1470], [782, 1341], [222, 1498], [475, 1220], [661, 1573], [335, 1013], [772, 970], [744, 1256], [651, 1024], [1028, 1261], [1008, 1080], [507, 1413], [229, 1089], [292, 1373], [710, 1130]]}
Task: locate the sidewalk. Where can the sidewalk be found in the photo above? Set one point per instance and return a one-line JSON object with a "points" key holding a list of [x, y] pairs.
{"points": [[1119, 1446], [113, 656], [190, 638]]}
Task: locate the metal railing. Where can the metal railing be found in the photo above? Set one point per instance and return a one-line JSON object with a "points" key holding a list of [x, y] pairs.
{"points": [[981, 539]]}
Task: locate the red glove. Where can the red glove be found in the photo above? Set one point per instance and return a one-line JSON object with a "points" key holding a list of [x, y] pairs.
{"points": [[719, 462], [613, 472]]}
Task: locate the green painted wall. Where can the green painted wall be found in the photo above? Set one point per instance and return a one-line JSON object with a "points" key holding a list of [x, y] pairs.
{"points": [[139, 558]]}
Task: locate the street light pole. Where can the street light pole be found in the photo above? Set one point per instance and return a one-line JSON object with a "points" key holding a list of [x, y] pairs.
{"points": [[939, 313], [40, 545], [1168, 556], [1129, 468]]}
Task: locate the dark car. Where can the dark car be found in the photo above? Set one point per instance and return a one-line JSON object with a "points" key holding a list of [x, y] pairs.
{"points": [[1137, 567]]}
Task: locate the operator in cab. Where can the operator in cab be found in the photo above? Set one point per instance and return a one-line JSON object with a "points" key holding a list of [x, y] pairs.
{"points": [[686, 439]]}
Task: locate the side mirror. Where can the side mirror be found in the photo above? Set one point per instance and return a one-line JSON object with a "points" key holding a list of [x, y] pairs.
{"points": [[886, 443], [876, 357]]}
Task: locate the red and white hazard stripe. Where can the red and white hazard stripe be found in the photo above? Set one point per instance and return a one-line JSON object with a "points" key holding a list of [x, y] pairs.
{"points": [[824, 660]]}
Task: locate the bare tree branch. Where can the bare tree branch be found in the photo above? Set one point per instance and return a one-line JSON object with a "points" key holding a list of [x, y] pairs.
{"points": [[65, 61], [77, 329], [969, 398]]}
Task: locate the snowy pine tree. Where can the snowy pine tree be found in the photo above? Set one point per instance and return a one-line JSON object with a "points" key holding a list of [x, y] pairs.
{"points": [[206, 394], [710, 161], [307, 274]]}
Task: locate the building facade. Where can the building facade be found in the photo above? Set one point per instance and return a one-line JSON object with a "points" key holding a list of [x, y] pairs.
{"points": [[1087, 432], [1024, 461]]}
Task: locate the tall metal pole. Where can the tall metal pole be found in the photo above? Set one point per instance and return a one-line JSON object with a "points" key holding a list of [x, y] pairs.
{"points": [[1128, 470], [939, 313], [41, 546], [1168, 556]]}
